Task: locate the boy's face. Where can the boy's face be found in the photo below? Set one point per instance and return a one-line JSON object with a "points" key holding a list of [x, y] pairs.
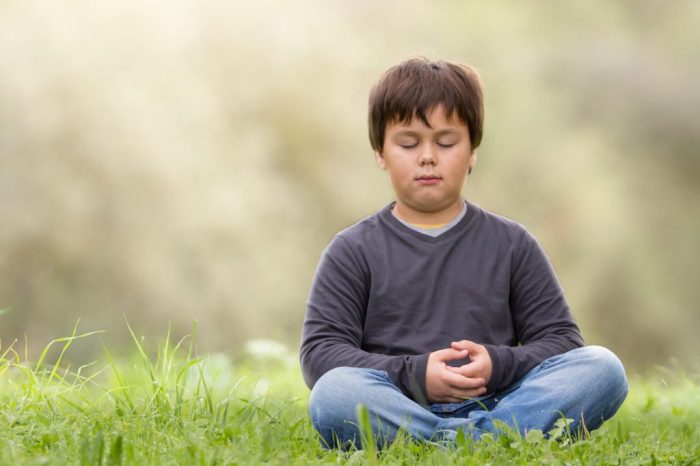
{"points": [[427, 166]]}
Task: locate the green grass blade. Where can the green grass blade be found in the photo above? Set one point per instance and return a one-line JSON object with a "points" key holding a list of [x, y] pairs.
{"points": [[369, 442]]}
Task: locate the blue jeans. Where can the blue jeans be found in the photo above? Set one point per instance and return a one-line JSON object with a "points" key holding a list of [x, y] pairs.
{"points": [[586, 385]]}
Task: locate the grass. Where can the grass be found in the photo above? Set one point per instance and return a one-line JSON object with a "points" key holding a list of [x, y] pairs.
{"points": [[167, 405]]}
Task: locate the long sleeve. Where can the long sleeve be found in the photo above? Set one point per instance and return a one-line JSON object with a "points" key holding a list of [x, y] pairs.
{"points": [[542, 320], [333, 328], [385, 296]]}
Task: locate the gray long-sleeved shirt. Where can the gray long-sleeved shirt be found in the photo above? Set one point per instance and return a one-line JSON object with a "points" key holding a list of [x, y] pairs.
{"points": [[385, 296]]}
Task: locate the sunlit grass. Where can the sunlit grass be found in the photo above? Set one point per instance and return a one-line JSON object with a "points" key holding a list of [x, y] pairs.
{"points": [[165, 404]]}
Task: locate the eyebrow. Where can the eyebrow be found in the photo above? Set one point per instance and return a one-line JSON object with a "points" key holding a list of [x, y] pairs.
{"points": [[410, 132]]}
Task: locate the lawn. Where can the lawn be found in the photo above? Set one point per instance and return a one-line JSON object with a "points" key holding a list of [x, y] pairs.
{"points": [[164, 404]]}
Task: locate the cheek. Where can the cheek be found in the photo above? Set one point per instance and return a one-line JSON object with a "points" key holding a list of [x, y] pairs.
{"points": [[461, 162], [397, 177]]}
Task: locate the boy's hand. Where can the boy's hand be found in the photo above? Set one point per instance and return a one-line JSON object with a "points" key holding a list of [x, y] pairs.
{"points": [[480, 365], [447, 386]]}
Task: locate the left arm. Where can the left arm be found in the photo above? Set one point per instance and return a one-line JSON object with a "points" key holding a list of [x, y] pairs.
{"points": [[543, 324]]}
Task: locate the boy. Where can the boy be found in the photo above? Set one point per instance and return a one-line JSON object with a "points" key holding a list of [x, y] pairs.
{"points": [[433, 313]]}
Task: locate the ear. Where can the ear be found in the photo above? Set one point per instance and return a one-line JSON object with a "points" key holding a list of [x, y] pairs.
{"points": [[380, 160], [472, 160]]}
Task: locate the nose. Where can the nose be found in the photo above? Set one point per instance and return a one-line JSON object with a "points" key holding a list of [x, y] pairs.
{"points": [[427, 157]]}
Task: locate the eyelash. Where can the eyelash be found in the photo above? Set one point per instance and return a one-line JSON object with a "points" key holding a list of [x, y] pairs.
{"points": [[445, 146]]}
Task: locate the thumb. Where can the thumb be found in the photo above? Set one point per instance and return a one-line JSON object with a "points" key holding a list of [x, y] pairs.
{"points": [[475, 349], [462, 345]]}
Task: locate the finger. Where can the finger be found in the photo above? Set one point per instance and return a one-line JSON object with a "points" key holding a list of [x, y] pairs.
{"points": [[463, 345], [470, 370], [458, 396], [467, 394], [448, 354], [460, 382]]}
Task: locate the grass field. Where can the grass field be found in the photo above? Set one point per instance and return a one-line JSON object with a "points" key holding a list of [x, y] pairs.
{"points": [[166, 405]]}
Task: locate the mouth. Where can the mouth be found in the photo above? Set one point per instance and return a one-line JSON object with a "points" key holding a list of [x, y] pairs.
{"points": [[428, 179]]}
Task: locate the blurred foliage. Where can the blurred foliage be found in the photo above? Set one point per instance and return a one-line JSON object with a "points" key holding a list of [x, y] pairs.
{"points": [[190, 160]]}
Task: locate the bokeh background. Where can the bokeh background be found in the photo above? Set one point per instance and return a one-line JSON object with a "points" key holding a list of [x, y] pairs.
{"points": [[177, 161]]}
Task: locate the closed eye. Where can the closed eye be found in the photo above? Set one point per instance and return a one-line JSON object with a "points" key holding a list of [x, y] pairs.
{"points": [[409, 146], [445, 145]]}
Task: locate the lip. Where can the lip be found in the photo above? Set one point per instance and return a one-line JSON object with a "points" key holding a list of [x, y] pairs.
{"points": [[428, 179]]}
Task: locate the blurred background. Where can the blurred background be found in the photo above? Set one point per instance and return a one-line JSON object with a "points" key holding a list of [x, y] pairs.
{"points": [[177, 161]]}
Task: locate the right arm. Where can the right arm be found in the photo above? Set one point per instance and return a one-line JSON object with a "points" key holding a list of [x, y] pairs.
{"points": [[334, 324]]}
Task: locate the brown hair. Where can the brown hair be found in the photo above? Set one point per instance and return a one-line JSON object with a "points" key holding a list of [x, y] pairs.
{"points": [[416, 86]]}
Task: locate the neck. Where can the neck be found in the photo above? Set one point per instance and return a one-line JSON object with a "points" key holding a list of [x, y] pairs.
{"points": [[418, 217]]}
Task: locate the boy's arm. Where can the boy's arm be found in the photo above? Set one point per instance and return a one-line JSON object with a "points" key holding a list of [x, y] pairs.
{"points": [[543, 323], [333, 326]]}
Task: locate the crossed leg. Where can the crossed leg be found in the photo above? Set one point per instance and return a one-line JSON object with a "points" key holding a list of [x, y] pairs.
{"points": [[586, 385]]}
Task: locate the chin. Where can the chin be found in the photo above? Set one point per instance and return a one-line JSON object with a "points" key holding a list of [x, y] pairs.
{"points": [[429, 207]]}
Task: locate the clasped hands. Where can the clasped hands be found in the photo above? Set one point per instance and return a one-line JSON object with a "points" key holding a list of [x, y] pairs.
{"points": [[447, 384]]}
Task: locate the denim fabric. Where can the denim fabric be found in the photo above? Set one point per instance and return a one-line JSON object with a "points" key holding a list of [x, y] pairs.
{"points": [[586, 385]]}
